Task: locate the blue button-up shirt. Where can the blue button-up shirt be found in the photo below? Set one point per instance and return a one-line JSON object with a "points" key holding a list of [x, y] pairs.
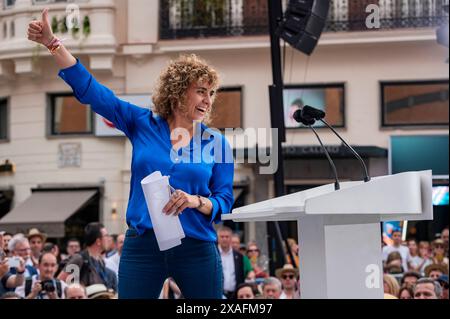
{"points": [[205, 167]]}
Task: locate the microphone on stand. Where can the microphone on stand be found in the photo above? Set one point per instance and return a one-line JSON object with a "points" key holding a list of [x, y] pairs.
{"points": [[308, 121], [311, 114]]}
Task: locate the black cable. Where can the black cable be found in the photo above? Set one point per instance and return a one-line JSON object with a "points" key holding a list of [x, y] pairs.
{"points": [[366, 174], [333, 167]]}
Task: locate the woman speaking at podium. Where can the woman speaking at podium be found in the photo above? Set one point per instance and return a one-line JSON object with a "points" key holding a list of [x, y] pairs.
{"points": [[204, 190]]}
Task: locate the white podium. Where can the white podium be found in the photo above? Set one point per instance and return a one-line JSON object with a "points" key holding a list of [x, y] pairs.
{"points": [[340, 233]]}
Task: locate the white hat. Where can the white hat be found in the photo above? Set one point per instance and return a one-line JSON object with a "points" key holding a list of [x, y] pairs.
{"points": [[99, 291]]}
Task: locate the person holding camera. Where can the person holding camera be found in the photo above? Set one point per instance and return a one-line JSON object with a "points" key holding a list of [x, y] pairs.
{"points": [[44, 285], [8, 280]]}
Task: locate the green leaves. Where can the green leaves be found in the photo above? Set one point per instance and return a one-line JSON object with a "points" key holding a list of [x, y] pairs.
{"points": [[60, 26]]}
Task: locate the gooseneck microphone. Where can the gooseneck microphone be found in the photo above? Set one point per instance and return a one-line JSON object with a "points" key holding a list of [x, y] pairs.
{"points": [[311, 114], [308, 122]]}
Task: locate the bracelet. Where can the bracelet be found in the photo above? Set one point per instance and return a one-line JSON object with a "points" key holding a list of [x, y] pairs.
{"points": [[52, 51], [202, 202], [54, 45], [47, 45]]}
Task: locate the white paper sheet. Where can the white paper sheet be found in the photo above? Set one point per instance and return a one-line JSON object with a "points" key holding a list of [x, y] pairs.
{"points": [[168, 229]]}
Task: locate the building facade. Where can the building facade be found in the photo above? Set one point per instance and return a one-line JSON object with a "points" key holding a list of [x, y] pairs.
{"points": [[55, 145]]}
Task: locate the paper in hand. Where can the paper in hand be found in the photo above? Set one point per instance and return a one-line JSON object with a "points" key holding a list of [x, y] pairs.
{"points": [[167, 228]]}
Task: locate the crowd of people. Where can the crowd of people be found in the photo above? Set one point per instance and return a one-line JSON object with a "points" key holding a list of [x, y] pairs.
{"points": [[33, 268], [416, 269]]}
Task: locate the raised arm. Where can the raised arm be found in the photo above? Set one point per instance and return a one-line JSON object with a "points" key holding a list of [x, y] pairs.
{"points": [[41, 32], [85, 87]]}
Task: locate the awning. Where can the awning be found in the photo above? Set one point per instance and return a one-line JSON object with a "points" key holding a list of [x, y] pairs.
{"points": [[47, 211]]}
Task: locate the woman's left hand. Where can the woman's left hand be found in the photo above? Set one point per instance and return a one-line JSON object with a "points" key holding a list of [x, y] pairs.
{"points": [[179, 201]]}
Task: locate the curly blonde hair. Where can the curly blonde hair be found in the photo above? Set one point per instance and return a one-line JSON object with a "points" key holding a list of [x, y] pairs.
{"points": [[170, 90]]}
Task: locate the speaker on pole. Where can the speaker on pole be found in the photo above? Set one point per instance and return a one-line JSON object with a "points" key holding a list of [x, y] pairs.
{"points": [[303, 23]]}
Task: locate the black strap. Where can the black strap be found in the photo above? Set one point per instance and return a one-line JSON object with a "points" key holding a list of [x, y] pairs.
{"points": [[28, 284], [59, 288], [99, 267], [85, 269]]}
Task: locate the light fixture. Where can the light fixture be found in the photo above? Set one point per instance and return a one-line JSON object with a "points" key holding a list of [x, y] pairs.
{"points": [[114, 211], [7, 167]]}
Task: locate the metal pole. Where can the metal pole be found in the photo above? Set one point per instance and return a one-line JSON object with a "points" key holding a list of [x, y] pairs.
{"points": [[277, 118]]}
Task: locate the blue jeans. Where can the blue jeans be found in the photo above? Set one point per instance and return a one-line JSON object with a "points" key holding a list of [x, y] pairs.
{"points": [[195, 265]]}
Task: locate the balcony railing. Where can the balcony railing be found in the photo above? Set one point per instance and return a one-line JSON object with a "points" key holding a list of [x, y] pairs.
{"points": [[209, 18], [9, 4]]}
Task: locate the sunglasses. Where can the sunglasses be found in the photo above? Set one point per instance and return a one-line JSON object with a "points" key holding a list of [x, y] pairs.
{"points": [[253, 250], [288, 276]]}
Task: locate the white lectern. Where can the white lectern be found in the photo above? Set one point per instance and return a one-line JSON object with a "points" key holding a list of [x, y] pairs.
{"points": [[340, 232]]}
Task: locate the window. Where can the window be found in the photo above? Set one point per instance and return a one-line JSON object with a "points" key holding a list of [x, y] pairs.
{"points": [[415, 103], [12, 30], [328, 97], [227, 109], [68, 116], [3, 119], [9, 3]]}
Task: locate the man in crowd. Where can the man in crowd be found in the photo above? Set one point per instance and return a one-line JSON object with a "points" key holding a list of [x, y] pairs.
{"points": [[113, 261], [410, 278], [237, 245], [234, 271], [397, 247], [73, 247], [90, 262], [271, 288], [434, 271], [19, 246], [76, 291], [44, 285], [288, 276], [6, 238], [110, 245], [37, 241], [427, 288], [9, 281]]}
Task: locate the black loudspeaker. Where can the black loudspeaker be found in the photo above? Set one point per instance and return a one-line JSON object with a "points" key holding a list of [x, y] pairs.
{"points": [[303, 23]]}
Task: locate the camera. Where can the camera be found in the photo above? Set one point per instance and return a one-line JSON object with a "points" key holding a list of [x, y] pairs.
{"points": [[14, 262], [48, 286]]}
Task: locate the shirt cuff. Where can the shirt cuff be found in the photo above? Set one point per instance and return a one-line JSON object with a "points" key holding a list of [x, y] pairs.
{"points": [[215, 216], [74, 73]]}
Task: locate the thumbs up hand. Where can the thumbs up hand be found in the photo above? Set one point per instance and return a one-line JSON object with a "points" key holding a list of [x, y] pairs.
{"points": [[40, 31]]}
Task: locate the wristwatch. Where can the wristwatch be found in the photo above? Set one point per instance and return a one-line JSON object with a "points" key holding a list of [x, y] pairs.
{"points": [[202, 202]]}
